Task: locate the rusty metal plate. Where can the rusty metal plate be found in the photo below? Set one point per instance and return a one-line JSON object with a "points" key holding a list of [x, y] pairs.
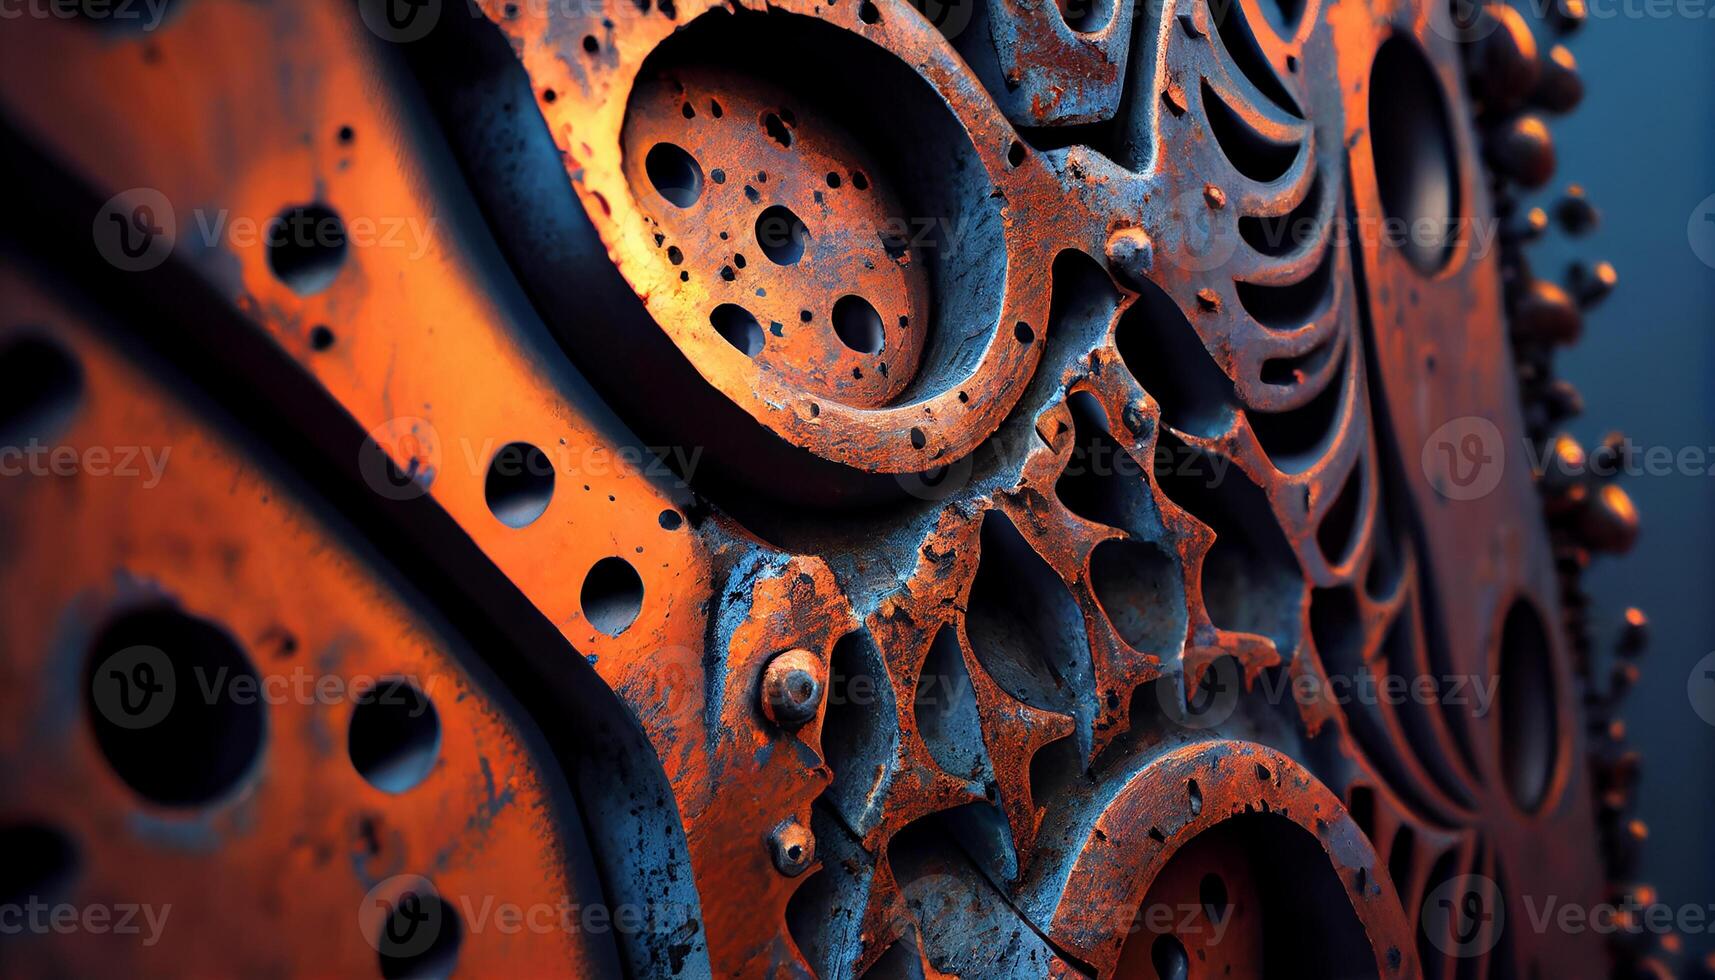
{"points": [[818, 488]]}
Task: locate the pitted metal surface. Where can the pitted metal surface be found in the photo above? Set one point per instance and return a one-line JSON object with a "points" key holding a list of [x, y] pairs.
{"points": [[968, 462]]}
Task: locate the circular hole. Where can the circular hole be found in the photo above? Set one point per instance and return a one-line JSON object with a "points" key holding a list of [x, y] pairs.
{"points": [[918, 439], [520, 484], [306, 247], [869, 13], [395, 735], [39, 863], [739, 328], [321, 338], [173, 702], [674, 173], [1015, 153], [781, 235], [859, 180], [40, 387], [591, 45], [1526, 704], [1416, 170], [858, 324], [670, 520], [1212, 892], [612, 595], [833, 179], [347, 134], [1022, 331], [420, 939], [1168, 957]]}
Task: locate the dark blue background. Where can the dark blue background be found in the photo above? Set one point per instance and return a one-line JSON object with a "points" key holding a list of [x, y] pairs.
{"points": [[1643, 146]]}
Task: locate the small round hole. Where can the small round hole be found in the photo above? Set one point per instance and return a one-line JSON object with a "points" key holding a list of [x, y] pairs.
{"points": [[420, 938], [306, 247], [859, 180], [520, 484], [675, 174], [670, 520], [321, 338], [858, 324], [173, 703], [918, 439], [781, 235], [347, 134], [395, 735], [739, 327], [833, 179], [1023, 332], [591, 45], [1015, 153], [612, 595], [869, 13]]}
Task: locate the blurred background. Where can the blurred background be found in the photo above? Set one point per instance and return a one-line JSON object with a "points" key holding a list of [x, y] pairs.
{"points": [[1642, 144]]}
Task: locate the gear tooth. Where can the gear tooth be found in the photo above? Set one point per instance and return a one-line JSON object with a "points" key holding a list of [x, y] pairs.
{"points": [[1608, 521], [1505, 67], [1523, 150], [1575, 212], [1546, 314], [1559, 87], [1592, 283], [1634, 633]]}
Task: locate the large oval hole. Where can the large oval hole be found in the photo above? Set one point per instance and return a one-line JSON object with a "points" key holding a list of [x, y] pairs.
{"points": [[781, 235], [675, 174], [612, 595], [1417, 173], [1526, 702], [520, 484], [175, 706]]}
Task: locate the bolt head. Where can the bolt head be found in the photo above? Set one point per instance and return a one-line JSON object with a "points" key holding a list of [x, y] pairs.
{"points": [[792, 688], [793, 848]]}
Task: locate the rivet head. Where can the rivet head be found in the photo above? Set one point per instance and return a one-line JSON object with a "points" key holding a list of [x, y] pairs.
{"points": [[792, 688], [793, 847], [1131, 255]]}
